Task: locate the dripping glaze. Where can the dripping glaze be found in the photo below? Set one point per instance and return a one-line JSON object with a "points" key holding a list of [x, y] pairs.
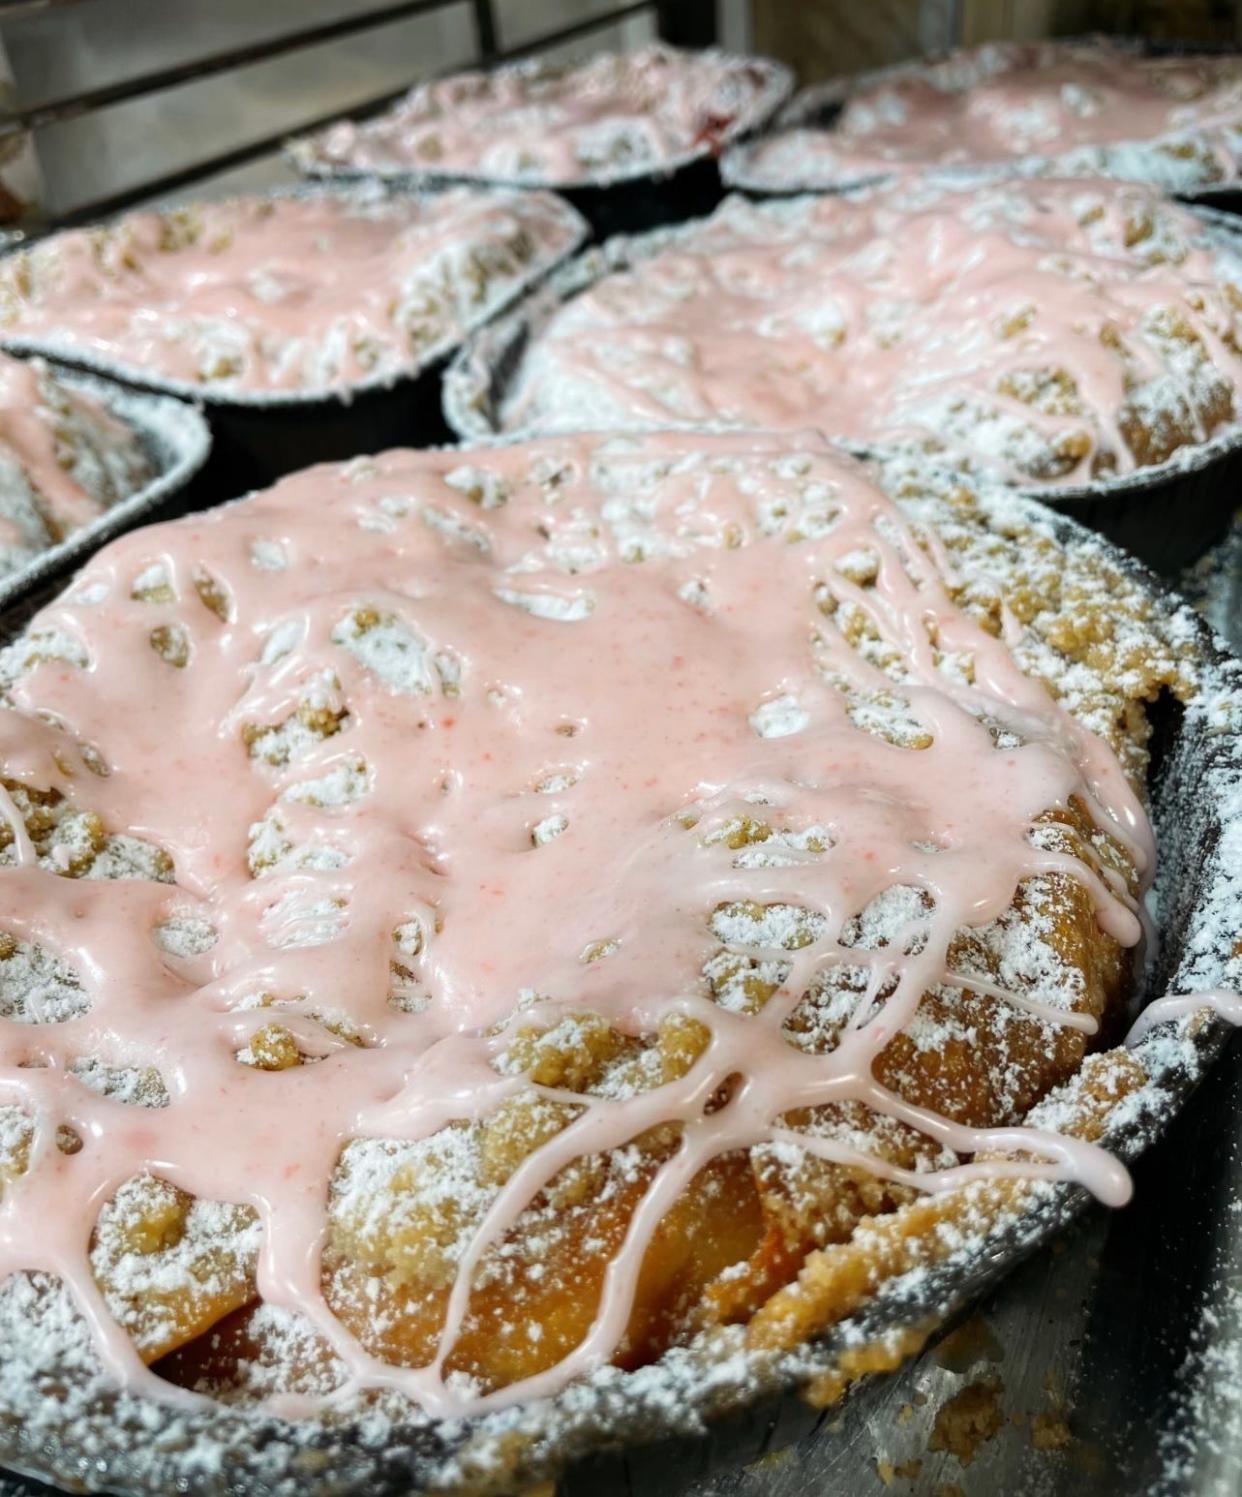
{"points": [[942, 315], [644, 677]]}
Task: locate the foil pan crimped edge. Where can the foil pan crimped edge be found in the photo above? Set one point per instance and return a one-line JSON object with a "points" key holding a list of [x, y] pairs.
{"points": [[175, 438], [480, 372], [302, 150], [819, 103], [131, 1446], [69, 352]]}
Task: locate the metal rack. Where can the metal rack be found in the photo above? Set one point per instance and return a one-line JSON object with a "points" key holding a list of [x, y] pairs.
{"points": [[682, 22]]}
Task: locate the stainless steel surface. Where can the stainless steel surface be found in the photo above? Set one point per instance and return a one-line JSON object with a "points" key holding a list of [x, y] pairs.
{"points": [[82, 100]]}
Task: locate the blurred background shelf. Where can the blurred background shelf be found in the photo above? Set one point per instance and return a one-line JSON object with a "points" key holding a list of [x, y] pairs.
{"points": [[115, 102], [112, 102]]}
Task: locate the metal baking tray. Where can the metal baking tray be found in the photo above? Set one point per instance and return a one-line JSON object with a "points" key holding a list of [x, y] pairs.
{"points": [[1167, 515], [1103, 1334]]}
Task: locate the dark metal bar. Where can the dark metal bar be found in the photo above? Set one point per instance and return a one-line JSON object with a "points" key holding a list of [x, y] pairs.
{"points": [[241, 155], [223, 161], [485, 28], [687, 23], [148, 83]]}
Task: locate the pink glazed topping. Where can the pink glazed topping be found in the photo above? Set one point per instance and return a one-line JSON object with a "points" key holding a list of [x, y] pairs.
{"points": [[617, 115], [1077, 108], [436, 744], [64, 459], [1050, 331], [282, 293]]}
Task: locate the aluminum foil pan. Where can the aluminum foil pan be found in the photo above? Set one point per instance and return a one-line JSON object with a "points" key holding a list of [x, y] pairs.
{"points": [[658, 1429], [818, 106], [1167, 514], [1114, 1354], [622, 200], [177, 442], [260, 435]]}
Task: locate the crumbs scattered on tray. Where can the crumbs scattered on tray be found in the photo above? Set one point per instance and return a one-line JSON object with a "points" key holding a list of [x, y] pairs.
{"points": [[906, 1471], [969, 1419]]}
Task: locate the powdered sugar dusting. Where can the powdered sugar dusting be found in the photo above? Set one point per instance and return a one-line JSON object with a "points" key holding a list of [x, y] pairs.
{"points": [[1058, 333], [557, 1066], [1098, 107], [616, 116], [257, 297]]}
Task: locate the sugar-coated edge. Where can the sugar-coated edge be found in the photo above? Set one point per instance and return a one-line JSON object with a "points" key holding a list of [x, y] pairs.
{"points": [[132, 1446], [468, 384], [810, 103], [301, 149], [174, 436], [68, 352]]}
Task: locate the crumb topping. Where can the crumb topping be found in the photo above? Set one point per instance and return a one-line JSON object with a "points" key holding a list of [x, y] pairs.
{"points": [[616, 115], [1053, 332], [547, 1100], [1073, 108], [297, 293]]}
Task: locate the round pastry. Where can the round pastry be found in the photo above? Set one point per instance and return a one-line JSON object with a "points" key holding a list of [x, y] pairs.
{"points": [[582, 920], [310, 325], [65, 459], [1052, 333], [613, 118], [324, 291], [1102, 107]]}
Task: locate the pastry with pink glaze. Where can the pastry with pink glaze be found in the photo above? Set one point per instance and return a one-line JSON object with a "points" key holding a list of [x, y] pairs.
{"points": [[1052, 333], [571, 901], [64, 461], [1095, 108], [327, 291], [612, 118]]}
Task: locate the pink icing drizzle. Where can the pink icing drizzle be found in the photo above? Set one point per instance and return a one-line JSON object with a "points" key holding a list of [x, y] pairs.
{"points": [[1227, 1006], [894, 315], [659, 665], [282, 293]]}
